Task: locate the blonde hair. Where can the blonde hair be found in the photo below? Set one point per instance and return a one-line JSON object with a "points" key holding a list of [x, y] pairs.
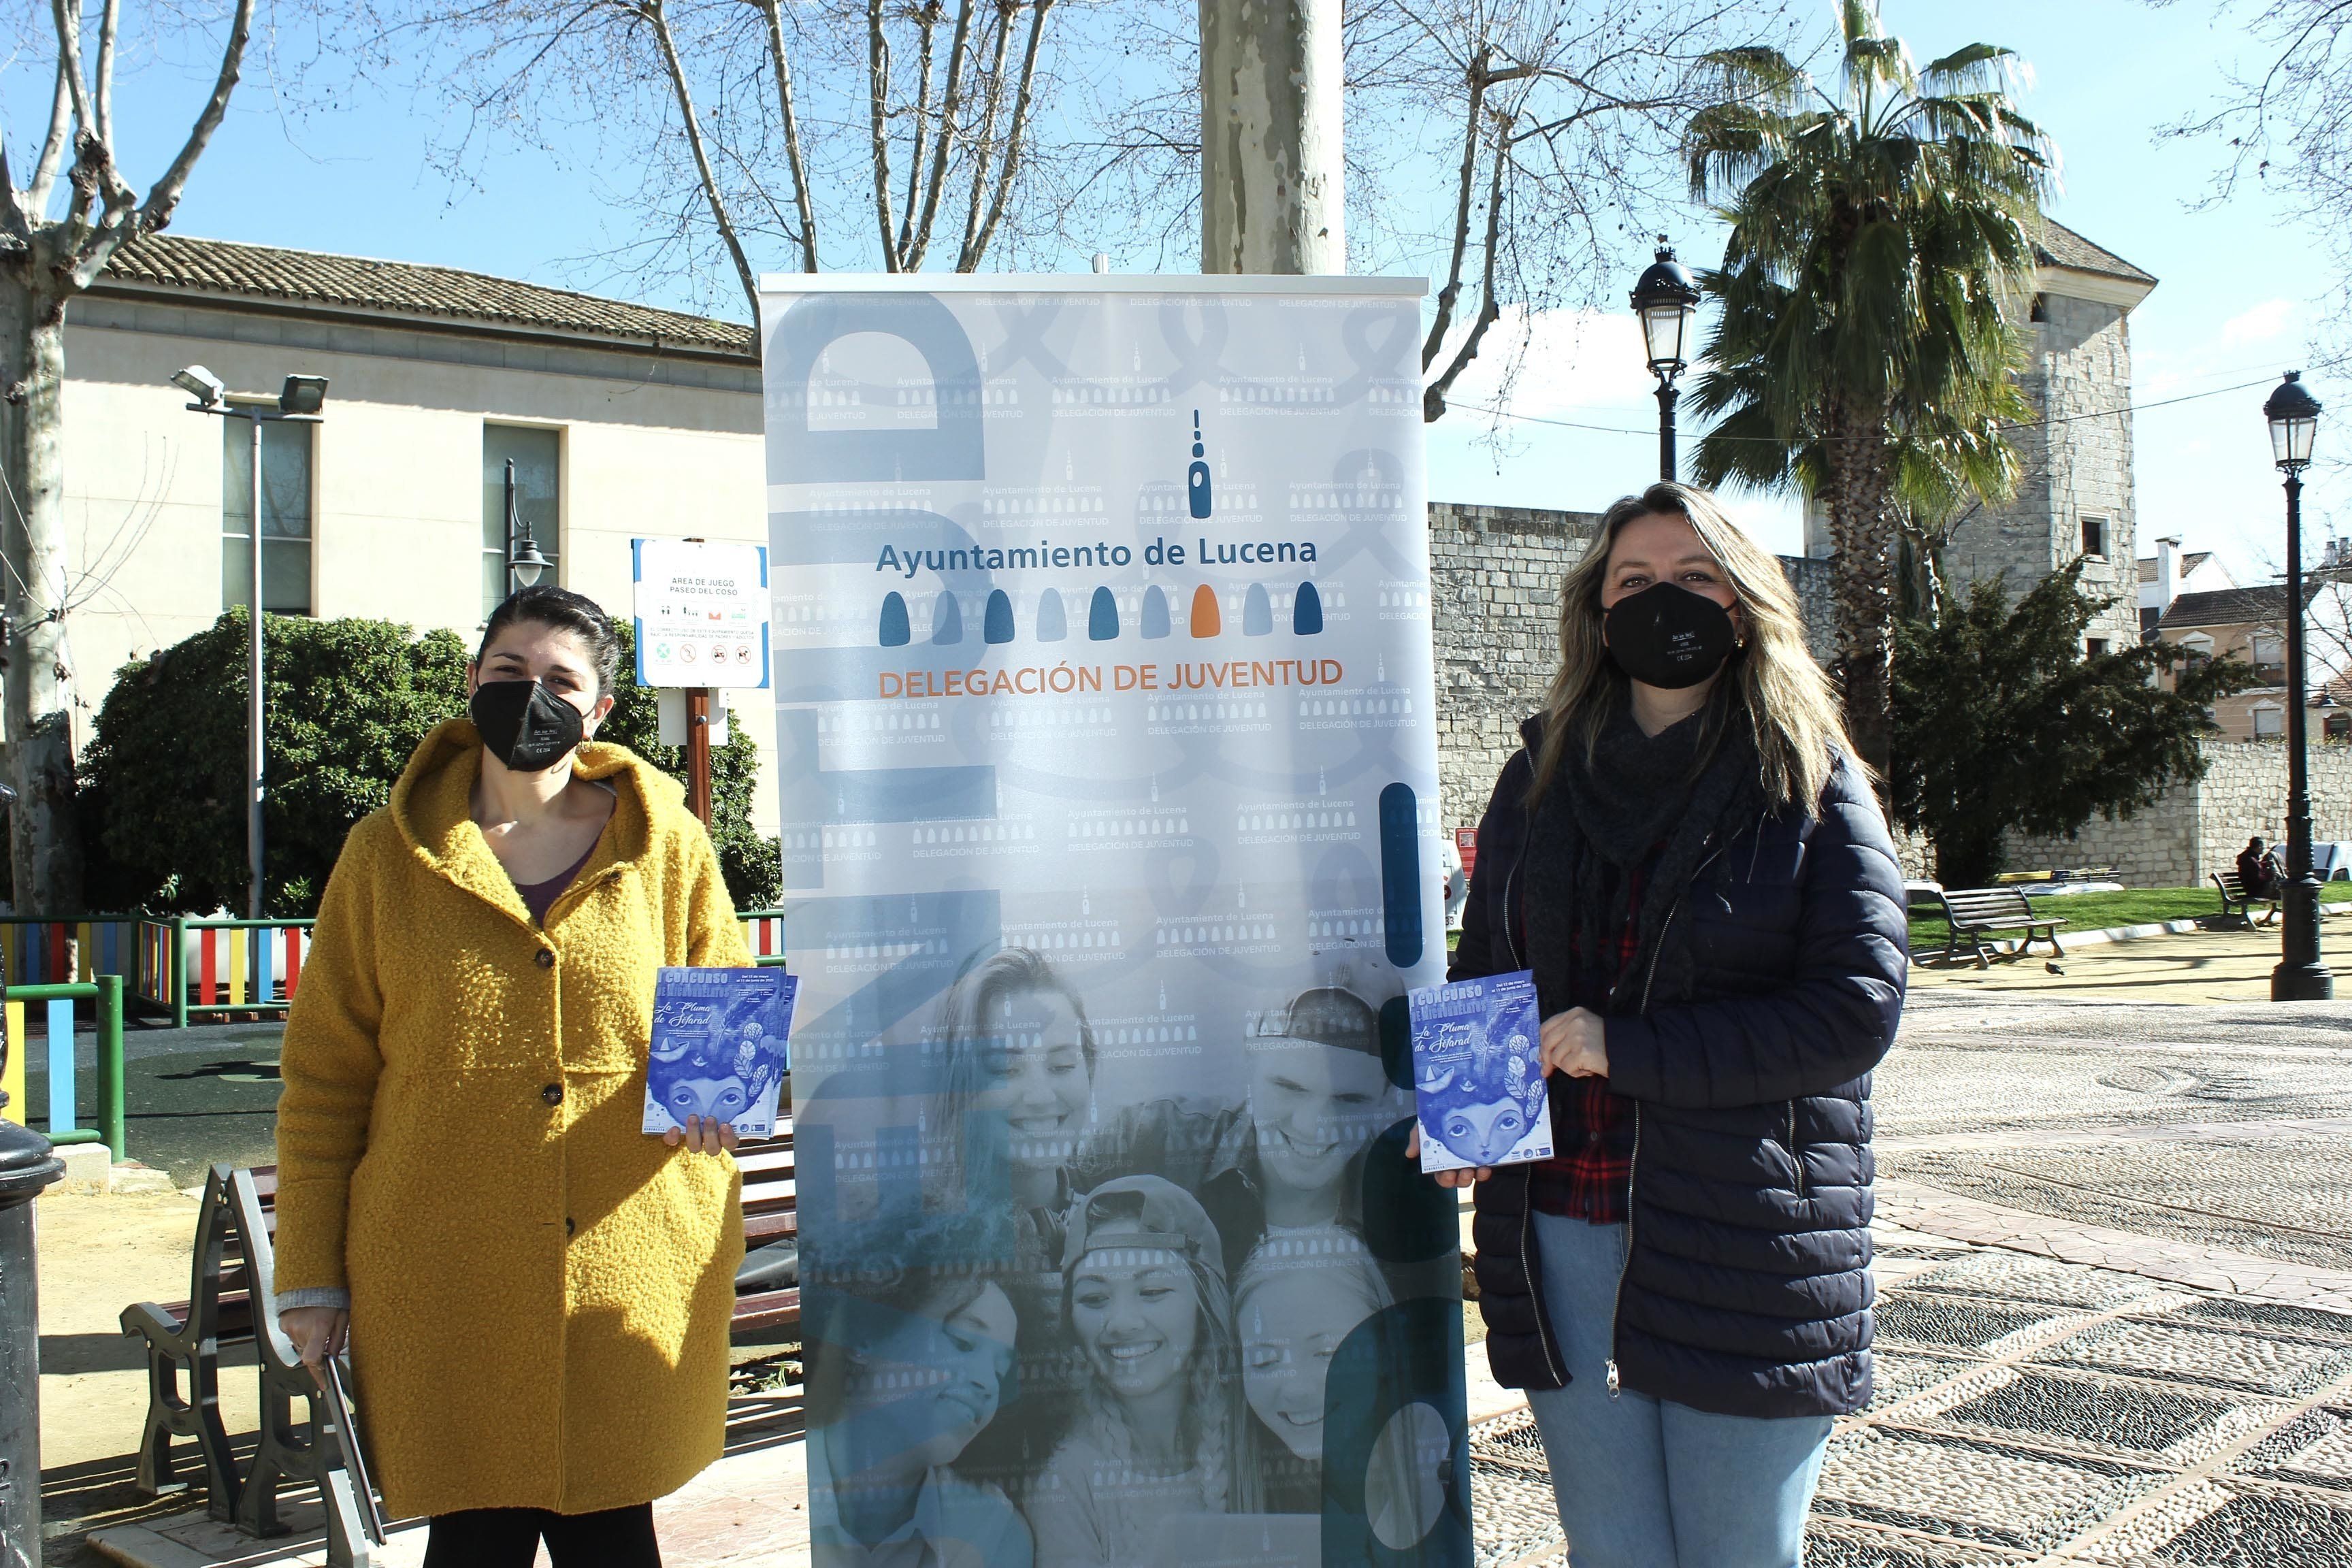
{"points": [[1790, 702]]}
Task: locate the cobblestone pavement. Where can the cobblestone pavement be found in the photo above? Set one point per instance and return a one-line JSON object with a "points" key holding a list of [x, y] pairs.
{"points": [[2115, 1300]]}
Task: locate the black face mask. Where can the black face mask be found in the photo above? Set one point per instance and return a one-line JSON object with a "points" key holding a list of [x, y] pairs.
{"points": [[525, 725], [1667, 637]]}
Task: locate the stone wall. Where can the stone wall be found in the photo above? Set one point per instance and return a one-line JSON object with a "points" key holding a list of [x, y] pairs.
{"points": [[2197, 830], [1495, 575]]}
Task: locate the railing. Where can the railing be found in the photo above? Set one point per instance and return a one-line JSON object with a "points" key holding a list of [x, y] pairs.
{"points": [[764, 933], [222, 967], [203, 968], [106, 994]]}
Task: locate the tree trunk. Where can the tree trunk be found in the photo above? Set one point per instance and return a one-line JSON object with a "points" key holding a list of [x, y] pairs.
{"points": [[44, 841], [1969, 859], [1271, 187], [1862, 538]]}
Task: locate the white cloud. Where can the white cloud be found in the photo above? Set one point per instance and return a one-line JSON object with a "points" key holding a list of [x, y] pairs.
{"points": [[2266, 322]]}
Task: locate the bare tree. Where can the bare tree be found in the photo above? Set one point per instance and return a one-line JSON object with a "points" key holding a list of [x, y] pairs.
{"points": [[2286, 122], [1566, 117], [1521, 151], [754, 126], [48, 257]]}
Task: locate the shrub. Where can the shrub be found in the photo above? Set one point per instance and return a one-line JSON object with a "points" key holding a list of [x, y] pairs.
{"points": [[163, 780]]}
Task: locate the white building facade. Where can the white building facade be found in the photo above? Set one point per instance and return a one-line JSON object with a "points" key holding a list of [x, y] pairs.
{"points": [[622, 422]]}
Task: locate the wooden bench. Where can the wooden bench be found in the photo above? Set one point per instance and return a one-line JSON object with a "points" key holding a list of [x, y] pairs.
{"points": [[2235, 902], [233, 1267], [1971, 912]]}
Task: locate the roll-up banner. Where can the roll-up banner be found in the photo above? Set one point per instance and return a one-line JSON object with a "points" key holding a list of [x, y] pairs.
{"points": [[1109, 813]]}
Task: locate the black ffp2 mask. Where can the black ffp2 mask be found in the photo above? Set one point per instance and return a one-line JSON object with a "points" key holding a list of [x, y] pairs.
{"points": [[525, 725], [1667, 637]]}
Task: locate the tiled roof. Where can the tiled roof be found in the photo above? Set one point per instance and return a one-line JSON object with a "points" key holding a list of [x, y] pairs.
{"points": [[2233, 606], [2058, 245], [353, 282]]}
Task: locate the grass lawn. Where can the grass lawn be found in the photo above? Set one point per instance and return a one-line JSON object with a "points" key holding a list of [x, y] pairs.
{"points": [[2133, 906]]}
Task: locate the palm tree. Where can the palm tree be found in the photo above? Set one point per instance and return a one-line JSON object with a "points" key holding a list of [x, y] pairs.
{"points": [[1871, 303]]}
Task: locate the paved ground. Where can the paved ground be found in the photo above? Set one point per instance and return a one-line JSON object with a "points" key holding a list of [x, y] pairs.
{"points": [[190, 1096], [2186, 967], [2115, 1326]]}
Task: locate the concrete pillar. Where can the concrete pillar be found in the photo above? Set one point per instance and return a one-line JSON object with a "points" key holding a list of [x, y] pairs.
{"points": [[1272, 198]]}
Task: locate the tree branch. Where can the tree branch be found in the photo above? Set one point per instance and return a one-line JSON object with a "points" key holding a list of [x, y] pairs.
{"points": [[951, 103], [984, 144], [1012, 164], [927, 21], [109, 18], [53, 148], [1433, 400], [1444, 321], [657, 18], [164, 194], [794, 158], [877, 83]]}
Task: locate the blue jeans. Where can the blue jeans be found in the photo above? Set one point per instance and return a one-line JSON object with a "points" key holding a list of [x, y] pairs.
{"points": [[1645, 1482]]}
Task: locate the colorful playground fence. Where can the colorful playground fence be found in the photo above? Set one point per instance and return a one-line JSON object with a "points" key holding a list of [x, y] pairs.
{"points": [[203, 968], [764, 933], [105, 994]]}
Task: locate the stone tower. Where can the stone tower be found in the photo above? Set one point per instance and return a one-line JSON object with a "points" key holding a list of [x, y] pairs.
{"points": [[2075, 493]]}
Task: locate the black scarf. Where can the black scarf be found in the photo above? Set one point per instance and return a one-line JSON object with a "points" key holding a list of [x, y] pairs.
{"points": [[1602, 819]]}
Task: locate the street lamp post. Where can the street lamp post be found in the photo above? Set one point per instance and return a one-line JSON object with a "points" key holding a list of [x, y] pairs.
{"points": [[298, 402], [525, 565], [2294, 417], [1666, 299]]}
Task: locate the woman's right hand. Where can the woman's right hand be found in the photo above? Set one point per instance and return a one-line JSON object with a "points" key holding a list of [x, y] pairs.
{"points": [[1461, 1178], [318, 1333]]}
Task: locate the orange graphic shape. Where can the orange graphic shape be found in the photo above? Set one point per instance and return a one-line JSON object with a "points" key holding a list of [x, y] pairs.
{"points": [[1206, 622]]}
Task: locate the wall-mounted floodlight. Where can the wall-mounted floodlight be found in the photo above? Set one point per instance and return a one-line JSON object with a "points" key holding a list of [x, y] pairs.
{"points": [[303, 394], [202, 384]]}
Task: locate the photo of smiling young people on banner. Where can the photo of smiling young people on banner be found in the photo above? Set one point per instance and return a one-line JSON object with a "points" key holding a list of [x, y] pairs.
{"points": [[1108, 795], [1289, 1155]]}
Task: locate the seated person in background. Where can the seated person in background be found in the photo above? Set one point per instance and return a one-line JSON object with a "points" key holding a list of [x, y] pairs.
{"points": [[2259, 871]]}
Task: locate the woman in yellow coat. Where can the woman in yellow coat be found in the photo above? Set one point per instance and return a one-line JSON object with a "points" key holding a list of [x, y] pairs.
{"points": [[535, 1293]]}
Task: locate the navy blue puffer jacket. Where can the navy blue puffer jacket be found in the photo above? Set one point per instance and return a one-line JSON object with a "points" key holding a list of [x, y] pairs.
{"points": [[1747, 1288]]}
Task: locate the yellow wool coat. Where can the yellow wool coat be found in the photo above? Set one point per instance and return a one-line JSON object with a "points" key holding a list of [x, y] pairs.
{"points": [[540, 1291]]}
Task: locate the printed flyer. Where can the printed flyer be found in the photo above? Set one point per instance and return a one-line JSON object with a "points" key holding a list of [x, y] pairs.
{"points": [[1477, 1073], [719, 1047], [1106, 731]]}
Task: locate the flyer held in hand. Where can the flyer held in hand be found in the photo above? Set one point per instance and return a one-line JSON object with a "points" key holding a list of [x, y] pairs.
{"points": [[1477, 1073], [719, 1047]]}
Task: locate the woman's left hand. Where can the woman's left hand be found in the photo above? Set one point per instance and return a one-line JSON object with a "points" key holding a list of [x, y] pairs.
{"points": [[702, 1135], [1576, 1043]]}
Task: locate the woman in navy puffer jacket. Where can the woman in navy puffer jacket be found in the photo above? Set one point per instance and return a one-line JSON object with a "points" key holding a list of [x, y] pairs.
{"points": [[1694, 866]]}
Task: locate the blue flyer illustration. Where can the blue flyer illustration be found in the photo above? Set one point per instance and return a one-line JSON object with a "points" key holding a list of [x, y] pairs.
{"points": [[719, 1047], [1477, 1073]]}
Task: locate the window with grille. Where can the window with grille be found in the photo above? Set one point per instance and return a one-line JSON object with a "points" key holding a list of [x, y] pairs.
{"points": [[285, 515], [536, 454]]}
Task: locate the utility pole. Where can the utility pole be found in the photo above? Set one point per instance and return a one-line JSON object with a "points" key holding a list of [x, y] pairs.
{"points": [[1272, 198]]}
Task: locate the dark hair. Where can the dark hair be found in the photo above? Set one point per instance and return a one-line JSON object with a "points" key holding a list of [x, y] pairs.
{"points": [[545, 604]]}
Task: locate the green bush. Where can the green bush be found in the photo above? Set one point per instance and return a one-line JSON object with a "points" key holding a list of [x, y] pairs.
{"points": [[163, 780]]}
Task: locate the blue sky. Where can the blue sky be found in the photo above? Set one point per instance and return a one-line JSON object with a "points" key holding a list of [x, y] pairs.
{"points": [[2237, 299]]}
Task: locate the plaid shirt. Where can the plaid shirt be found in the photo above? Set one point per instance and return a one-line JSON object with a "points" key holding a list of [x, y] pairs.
{"points": [[1590, 1174]]}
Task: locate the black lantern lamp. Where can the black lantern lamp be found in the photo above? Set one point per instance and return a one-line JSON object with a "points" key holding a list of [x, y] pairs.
{"points": [[2294, 415], [1667, 300], [525, 565]]}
